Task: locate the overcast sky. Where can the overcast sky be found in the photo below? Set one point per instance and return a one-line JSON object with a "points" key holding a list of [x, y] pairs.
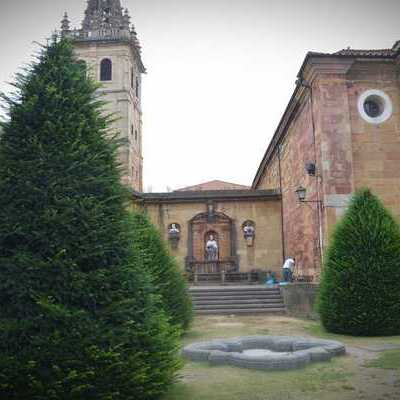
{"points": [[220, 72]]}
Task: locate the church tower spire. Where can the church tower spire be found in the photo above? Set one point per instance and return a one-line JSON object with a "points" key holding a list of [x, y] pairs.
{"points": [[65, 25], [108, 43], [103, 14]]}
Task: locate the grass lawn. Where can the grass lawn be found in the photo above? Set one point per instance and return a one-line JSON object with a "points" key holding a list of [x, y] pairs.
{"points": [[388, 360], [367, 372]]}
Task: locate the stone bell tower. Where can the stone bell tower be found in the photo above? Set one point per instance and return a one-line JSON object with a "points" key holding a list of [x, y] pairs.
{"points": [[108, 43]]}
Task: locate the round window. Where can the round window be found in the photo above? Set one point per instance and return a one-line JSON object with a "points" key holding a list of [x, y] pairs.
{"points": [[375, 106]]}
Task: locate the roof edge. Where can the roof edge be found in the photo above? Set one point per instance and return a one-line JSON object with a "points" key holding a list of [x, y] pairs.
{"points": [[203, 195], [286, 117]]}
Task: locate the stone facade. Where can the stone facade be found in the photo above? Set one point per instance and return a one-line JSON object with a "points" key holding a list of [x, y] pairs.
{"points": [[300, 299], [326, 124], [122, 101], [286, 172], [340, 132], [107, 34], [191, 212], [376, 148]]}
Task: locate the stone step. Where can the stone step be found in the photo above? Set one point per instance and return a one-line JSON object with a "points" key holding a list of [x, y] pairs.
{"points": [[226, 284], [234, 297], [243, 299], [237, 306], [231, 288], [234, 293], [238, 301], [228, 298], [248, 311]]}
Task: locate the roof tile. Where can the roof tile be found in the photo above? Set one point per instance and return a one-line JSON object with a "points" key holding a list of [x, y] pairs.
{"points": [[214, 185]]}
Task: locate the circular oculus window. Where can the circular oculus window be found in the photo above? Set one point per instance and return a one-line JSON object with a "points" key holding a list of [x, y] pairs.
{"points": [[375, 106]]}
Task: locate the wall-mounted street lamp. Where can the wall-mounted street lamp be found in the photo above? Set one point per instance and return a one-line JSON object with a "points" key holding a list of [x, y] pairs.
{"points": [[301, 193]]}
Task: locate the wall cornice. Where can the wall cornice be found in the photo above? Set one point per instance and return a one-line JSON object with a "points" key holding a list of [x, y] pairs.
{"points": [[201, 196]]}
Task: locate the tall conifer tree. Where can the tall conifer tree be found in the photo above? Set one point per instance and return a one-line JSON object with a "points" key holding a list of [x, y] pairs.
{"points": [[360, 287], [78, 314], [166, 276]]}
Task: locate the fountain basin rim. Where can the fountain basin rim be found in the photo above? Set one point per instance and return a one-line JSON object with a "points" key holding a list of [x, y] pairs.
{"points": [[285, 352]]}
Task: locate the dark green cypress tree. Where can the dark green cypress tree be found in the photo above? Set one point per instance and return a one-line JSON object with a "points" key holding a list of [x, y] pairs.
{"points": [[360, 286], [78, 315], [166, 276]]}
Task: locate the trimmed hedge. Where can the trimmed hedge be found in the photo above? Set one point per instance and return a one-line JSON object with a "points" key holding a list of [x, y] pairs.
{"points": [[360, 286], [167, 277], [79, 317]]}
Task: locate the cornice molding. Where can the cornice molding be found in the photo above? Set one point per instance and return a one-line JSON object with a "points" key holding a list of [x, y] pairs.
{"points": [[318, 66], [201, 196]]}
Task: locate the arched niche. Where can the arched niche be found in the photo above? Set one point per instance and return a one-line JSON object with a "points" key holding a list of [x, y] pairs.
{"points": [[223, 228], [211, 245]]}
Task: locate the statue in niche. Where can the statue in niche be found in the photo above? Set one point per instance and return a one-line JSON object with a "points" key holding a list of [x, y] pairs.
{"points": [[174, 235], [211, 249], [249, 232], [173, 229]]}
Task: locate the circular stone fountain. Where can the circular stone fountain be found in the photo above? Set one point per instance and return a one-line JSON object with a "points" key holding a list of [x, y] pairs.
{"points": [[265, 352]]}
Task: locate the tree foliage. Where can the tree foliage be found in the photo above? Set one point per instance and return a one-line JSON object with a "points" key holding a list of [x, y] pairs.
{"points": [[167, 277], [79, 318], [360, 287]]}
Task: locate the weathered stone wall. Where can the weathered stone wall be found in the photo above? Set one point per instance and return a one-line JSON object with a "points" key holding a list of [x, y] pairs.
{"points": [[301, 238], [120, 94], [271, 176], [266, 253], [376, 148], [350, 153], [333, 133], [300, 299]]}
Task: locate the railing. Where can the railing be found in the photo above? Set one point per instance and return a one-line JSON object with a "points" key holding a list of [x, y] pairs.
{"points": [[223, 272], [241, 277], [111, 34], [212, 267]]}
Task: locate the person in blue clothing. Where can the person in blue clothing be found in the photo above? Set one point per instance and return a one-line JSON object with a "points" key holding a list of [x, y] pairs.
{"points": [[288, 268], [271, 278]]}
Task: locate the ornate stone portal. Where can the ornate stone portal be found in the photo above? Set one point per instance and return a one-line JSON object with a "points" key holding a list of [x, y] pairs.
{"points": [[211, 243], [198, 215]]}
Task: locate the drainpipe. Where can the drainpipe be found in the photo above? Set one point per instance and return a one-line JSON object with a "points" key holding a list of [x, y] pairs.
{"points": [[318, 179], [302, 82], [282, 210]]}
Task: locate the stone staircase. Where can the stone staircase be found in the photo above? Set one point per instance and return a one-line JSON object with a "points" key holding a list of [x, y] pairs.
{"points": [[237, 300]]}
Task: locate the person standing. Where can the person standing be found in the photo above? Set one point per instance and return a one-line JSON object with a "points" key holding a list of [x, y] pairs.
{"points": [[288, 268]]}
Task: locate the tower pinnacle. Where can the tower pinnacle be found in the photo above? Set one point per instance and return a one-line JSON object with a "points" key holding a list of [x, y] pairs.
{"points": [[103, 14], [65, 28]]}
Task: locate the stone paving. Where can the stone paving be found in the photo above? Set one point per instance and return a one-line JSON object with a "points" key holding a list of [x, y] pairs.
{"points": [[265, 352]]}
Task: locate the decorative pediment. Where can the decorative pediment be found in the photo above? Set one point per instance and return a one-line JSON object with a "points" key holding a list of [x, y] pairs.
{"points": [[211, 217]]}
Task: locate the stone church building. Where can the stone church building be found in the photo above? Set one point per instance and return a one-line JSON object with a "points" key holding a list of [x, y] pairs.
{"points": [[339, 132]]}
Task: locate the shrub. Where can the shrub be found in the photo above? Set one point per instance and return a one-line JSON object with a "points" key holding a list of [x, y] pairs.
{"points": [[360, 286], [78, 318], [167, 277]]}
